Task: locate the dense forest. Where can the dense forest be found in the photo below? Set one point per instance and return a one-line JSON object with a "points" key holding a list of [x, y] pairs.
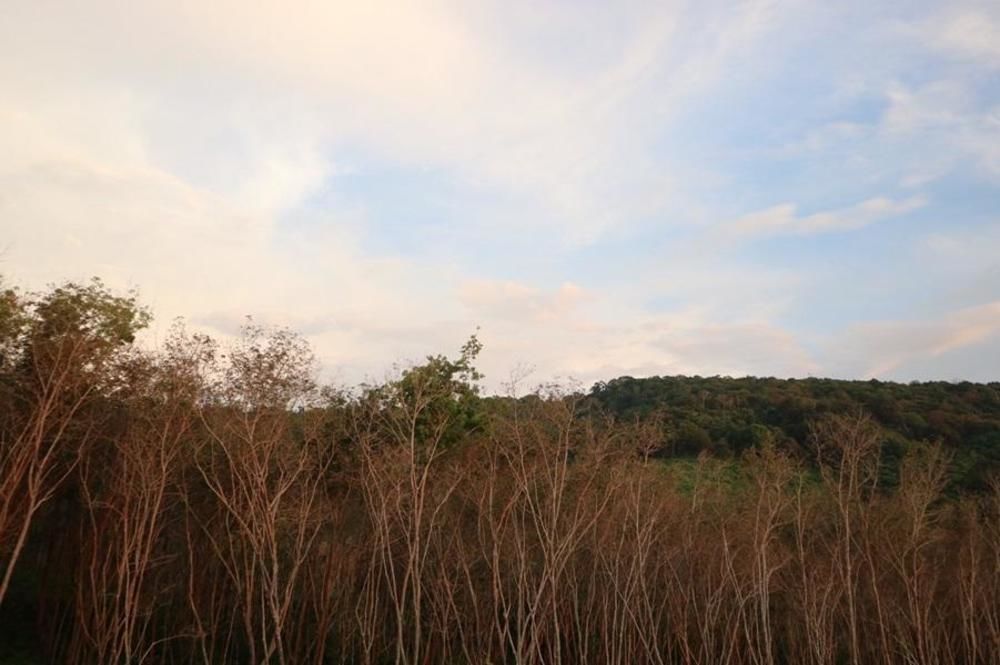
{"points": [[727, 416], [213, 503]]}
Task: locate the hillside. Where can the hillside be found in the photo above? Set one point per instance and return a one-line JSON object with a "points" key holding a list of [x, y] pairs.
{"points": [[728, 415]]}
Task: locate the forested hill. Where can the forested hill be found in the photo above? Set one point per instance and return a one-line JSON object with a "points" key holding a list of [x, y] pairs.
{"points": [[727, 415]]}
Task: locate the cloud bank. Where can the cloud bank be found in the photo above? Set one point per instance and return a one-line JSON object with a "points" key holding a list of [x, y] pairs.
{"points": [[644, 188]]}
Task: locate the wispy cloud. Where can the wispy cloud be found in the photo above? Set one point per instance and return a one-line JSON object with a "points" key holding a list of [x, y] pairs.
{"points": [[971, 32], [560, 169], [784, 219], [905, 349], [519, 301]]}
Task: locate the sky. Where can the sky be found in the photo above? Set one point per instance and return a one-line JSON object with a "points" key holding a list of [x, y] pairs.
{"points": [[599, 188]]}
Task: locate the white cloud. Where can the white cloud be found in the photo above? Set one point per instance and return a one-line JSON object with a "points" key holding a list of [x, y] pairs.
{"points": [[680, 343], [180, 147], [70, 211], [942, 126], [969, 249], [172, 146], [520, 302], [783, 218], [898, 349], [248, 98], [935, 105], [825, 137], [971, 32]]}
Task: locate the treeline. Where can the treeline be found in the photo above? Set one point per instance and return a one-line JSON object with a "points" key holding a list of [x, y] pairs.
{"points": [[210, 504], [727, 416]]}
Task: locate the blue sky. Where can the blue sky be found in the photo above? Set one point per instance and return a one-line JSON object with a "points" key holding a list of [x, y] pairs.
{"points": [[772, 188]]}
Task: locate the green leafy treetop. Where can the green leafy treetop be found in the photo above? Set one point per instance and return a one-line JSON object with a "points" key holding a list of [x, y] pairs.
{"points": [[439, 399], [84, 326]]}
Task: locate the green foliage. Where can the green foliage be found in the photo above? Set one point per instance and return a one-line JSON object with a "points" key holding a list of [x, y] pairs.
{"points": [[86, 321], [441, 395], [691, 439], [90, 310], [725, 415], [13, 317]]}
